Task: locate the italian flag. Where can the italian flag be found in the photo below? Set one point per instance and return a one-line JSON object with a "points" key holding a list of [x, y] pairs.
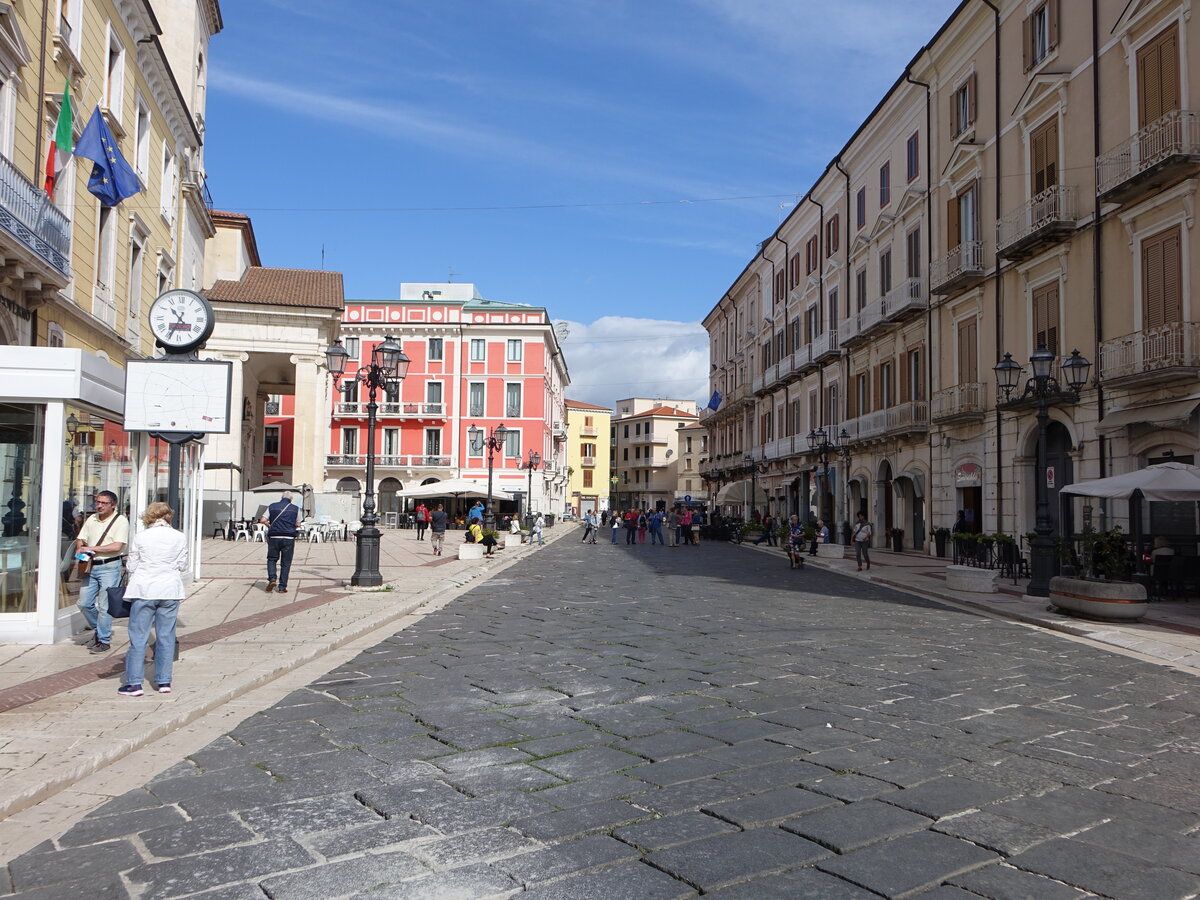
{"points": [[63, 143]]}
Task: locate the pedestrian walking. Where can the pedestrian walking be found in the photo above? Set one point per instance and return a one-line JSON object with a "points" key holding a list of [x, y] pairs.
{"points": [[98, 548], [685, 526], [437, 528], [673, 527], [422, 519], [616, 525], [795, 547], [768, 532], [157, 558], [281, 519], [538, 524], [861, 535], [589, 533], [630, 526], [641, 527]]}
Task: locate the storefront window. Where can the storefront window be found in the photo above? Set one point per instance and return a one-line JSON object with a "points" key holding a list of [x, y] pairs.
{"points": [[21, 471]]}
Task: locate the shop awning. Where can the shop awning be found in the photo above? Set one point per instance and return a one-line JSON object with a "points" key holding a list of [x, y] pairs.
{"points": [[1160, 414]]}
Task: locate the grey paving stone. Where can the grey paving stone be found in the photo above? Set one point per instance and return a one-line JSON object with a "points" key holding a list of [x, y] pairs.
{"points": [[669, 744], [196, 836], [947, 796], [1004, 881], [848, 787], [769, 808], [735, 731], [474, 760], [802, 884], [192, 874], [908, 864], [1173, 850], [478, 882], [567, 858], [751, 753], [513, 777], [98, 830], [821, 737], [476, 737], [995, 832], [343, 878], [593, 790], [469, 814], [137, 799], [676, 798], [1109, 873], [174, 790], [305, 816], [801, 717], [846, 828], [685, 768], [360, 838], [572, 740], [579, 821], [108, 887], [404, 799], [785, 773], [589, 763], [728, 859], [633, 879], [484, 845], [34, 870], [659, 834]]}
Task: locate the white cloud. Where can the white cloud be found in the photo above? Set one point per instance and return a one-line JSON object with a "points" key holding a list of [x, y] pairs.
{"points": [[616, 357]]}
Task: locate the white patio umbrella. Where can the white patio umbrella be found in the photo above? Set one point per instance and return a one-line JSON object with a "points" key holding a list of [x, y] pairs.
{"points": [[451, 487], [736, 492], [1165, 481]]}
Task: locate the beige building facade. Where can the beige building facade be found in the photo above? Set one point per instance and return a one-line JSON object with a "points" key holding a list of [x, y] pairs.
{"points": [[588, 428], [645, 451], [1028, 180]]}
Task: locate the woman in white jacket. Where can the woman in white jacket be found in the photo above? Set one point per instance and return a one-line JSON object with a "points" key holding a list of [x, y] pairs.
{"points": [[157, 557]]}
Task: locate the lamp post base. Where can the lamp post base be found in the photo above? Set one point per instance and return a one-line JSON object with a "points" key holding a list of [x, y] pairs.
{"points": [[366, 558], [1041, 565]]}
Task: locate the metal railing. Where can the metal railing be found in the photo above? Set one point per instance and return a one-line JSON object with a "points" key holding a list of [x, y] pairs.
{"points": [[395, 462], [961, 400], [271, 408], [391, 410], [1054, 205], [902, 417], [965, 260], [862, 321], [32, 218], [907, 296], [825, 344], [1176, 344], [1175, 134]]}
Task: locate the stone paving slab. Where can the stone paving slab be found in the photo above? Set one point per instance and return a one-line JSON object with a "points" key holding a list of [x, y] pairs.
{"points": [[1022, 759]]}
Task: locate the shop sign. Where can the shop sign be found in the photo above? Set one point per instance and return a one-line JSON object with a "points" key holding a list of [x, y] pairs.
{"points": [[968, 475]]}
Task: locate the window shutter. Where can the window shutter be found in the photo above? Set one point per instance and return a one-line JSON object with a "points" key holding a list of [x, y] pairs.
{"points": [[1027, 42], [1168, 57], [905, 387], [1037, 160], [918, 376], [852, 401], [953, 225], [1172, 278], [1052, 23], [877, 394], [1152, 283], [971, 84]]}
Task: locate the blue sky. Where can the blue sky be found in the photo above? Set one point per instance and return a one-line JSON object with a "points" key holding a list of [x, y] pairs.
{"points": [[616, 161]]}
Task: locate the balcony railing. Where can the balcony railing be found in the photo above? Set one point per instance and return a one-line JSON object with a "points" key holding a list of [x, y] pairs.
{"points": [[1166, 149], [588, 462], [271, 408], [958, 269], [587, 431], [1152, 354], [343, 460], [802, 358], [1046, 219], [826, 346], [858, 325], [905, 299], [961, 403], [905, 417], [393, 410], [32, 219]]}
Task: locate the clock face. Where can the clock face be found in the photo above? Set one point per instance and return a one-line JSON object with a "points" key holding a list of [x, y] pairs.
{"points": [[180, 320]]}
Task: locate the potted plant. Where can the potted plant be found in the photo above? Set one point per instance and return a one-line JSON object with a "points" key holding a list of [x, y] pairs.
{"points": [[1104, 593], [895, 537], [966, 545], [940, 536]]}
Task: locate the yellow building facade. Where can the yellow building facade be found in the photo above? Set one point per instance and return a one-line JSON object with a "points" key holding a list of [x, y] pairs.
{"points": [[588, 428], [1028, 180]]}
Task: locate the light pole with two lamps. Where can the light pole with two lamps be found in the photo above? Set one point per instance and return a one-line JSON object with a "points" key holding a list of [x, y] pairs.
{"points": [[492, 442], [823, 443], [755, 469], [1044, 389], [388, 365], [535, 460]]}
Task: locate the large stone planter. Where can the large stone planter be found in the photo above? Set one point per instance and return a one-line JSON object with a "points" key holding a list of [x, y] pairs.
{"points": [[1099, 599], [470, 551], [831, 551], [971, 579]]}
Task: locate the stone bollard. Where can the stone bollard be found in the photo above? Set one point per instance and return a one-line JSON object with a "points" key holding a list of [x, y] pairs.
{"points": [[972, 580]]}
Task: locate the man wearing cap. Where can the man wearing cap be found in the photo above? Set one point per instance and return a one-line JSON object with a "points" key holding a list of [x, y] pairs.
{"points": [[281, 519]]}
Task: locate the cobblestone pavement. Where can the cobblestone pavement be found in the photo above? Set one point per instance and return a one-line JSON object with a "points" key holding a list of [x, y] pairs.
{"points": [[610, 721]]}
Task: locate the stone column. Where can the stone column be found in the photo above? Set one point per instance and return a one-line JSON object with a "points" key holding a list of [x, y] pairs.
{"points": [[311, 437], [228, 447]]}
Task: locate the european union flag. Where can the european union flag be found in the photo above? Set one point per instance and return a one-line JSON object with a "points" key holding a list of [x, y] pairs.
{"points": [[112, 180], [715, 400]]}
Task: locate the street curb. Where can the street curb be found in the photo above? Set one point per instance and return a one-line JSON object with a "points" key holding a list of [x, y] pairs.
{"points": [[99, 751]]}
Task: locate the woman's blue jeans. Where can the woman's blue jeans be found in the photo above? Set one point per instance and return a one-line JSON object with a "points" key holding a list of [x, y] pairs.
{"points": [[162, 615]]}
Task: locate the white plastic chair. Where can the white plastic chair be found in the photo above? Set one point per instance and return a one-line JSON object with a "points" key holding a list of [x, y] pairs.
{"points": [[260, 532], [242, 533]]}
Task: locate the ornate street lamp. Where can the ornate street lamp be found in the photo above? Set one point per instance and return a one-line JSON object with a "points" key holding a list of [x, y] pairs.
{"points": [[535, 460], [755, 469], [822, 443], [388, 365], [492, 442], [72, 430], [1045, 390]]}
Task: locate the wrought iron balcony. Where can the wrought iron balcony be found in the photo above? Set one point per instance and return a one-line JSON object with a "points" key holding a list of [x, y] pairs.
{"points": [[958, 270], [961, 403], [904, 418], [35, 233], [587, 431], [905, 300], [1164, 353], [352, 461], [394, 410], [859, 325], [1165, 151], [826, 346], [587, 462], [1046, 219]]}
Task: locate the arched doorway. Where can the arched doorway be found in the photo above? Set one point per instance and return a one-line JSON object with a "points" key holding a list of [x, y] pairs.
{"points": [[388, 501], [886, 501], [348, 486], [1058, 461]]}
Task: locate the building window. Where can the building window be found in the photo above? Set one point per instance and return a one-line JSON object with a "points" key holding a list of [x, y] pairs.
{"points": [[55, 336], [625, 454], [968, 351], [474, 441], [475, 399], [1162, 279], [168, 185], [860, 209], [962, 218], [433, 445], [885, 272], [832, 234], [353, 347], [478, 350], [435, 350], [587, 478], [912, 378], [104, 303], [391, 442], [1040, 33], [349, 441], [133, 303], [912, 253], [1158, 77], [141, 142], [860, 288], [811, 255], [1043, 157], [512, 444], [833, 307], [913, 157], [637, 452], [114, 76], [271, 440], [1045, 317], [794, 270], [514, 350], [885, 184], [587, 451], [962, 107], [512, 400], [433, 392]]}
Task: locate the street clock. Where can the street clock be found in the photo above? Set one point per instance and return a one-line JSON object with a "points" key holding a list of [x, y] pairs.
{"points": [[181, 320]]}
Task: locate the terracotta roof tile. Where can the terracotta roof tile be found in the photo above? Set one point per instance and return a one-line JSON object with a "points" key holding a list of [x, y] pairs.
{"points": [[282, 287], [579, 404], [665, 411]]}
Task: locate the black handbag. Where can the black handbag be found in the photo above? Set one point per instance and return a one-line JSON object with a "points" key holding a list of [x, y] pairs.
{"points": [[118, 605]]}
